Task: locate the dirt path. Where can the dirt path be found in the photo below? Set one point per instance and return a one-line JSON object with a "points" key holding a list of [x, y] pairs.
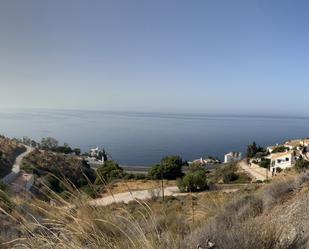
{"points": [[126, 197], [258, 173], [19, 159], [133, 195]]}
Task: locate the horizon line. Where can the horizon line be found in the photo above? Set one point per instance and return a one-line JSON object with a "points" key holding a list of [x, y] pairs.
{"points": [[166, 113]]}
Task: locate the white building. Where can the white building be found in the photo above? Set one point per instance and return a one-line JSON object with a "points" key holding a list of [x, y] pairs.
{"points": [[270, 149], [283, 160], [96, 157], [94, 152], [232, 157], [207, 161], [297, 144]]}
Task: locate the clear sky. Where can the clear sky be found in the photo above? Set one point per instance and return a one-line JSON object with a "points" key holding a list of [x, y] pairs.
{"points": [[207, 56]]}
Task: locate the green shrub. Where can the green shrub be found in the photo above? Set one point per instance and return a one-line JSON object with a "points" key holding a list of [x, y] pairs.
{"points": [[193, 182], [137, 176], [170, 168], [280, 149], [108, 172], [301, 165], [265, 163]]}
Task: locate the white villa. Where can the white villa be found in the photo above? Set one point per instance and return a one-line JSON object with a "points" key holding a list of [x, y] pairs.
{"points": [[270, 149], [96, 157], [232, 157], [94, 152], [283, 160], [205, 162]]}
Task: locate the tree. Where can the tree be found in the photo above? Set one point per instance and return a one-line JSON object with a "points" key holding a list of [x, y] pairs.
{"points": [[253, 149], [108, 172], [33, 144], [102, 155], [301, 165], [77, 151], [26, 140], [49, 143], [193, 182], [169, 168]]}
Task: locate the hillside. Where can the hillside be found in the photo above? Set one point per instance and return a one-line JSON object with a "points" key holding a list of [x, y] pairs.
{"points": [[270, 216], [57, 172], [9, 150]]}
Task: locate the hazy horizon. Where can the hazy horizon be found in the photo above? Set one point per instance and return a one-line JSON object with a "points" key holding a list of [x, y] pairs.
{"points": [[165, 113], [212, 57]]}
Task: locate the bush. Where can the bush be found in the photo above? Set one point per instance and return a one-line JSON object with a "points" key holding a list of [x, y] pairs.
{"points": [[91, 190], [170, 168], [193, 182], [276, 191], [265, 163], [280, 149], [108, 172], [229, 177], [132, 176], [227, 173], [301, 165]]}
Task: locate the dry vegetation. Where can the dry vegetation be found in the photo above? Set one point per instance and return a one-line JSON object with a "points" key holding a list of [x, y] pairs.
{"points": [[246, 219], [134, 185], [265, 216], [229, 173], [51, 168]]}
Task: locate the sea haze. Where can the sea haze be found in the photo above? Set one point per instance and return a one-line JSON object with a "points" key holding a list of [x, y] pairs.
{"points": [[141, 139]]}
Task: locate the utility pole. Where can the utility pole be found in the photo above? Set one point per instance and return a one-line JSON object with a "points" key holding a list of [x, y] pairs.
{"points": [[267, 173]]}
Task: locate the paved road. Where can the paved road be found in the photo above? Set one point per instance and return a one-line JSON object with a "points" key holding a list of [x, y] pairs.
{"points": [[126, 197], [258, 173], [19, 159]]}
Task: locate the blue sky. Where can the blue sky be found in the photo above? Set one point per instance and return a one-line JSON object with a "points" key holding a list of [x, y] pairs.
{"points": [[224, 57]]}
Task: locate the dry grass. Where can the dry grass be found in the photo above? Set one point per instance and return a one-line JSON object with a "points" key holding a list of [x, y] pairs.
{"points": [[133, 185], [231, 221], [151, 224]]}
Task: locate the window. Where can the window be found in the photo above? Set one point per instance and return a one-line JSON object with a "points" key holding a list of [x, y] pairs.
{"points": [[287, 159]]}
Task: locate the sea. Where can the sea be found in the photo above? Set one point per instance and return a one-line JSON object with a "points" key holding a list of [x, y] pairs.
{"points": [[142, 139]]}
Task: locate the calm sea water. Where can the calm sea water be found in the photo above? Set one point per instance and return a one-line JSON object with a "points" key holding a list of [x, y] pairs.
{"points": [[141, 139]]}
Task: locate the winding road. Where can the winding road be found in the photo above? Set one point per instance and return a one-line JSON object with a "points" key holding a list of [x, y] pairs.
{"points": [[17, 180], [19, 159]]}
